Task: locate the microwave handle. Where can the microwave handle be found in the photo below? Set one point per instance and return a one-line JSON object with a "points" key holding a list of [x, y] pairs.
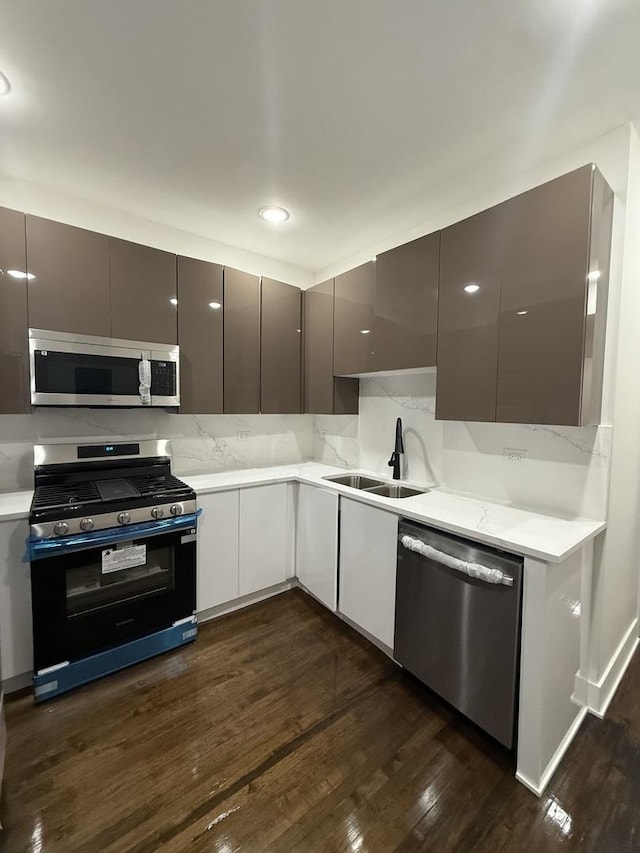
{"points": [[144, 375]]}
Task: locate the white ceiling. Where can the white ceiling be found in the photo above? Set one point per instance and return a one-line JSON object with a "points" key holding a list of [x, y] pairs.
{"points": [[194, 113]]}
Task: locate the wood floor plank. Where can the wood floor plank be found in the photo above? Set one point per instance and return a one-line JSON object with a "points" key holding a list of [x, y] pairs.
{"points": [[282, 730]]}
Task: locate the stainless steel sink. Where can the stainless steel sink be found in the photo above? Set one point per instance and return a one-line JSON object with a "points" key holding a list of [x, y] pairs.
{"points": [[394, 490], [356, 481]]}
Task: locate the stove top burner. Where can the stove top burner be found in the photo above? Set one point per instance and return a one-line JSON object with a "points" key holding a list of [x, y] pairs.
{"points": [[156, 484], [114, 490], [65, 494]]}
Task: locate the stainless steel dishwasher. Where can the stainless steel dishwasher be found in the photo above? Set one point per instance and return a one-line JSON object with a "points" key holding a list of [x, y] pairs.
{"points": [[457, 628]]}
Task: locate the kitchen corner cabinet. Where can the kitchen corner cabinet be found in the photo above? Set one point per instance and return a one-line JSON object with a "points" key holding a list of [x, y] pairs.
{"points": [[218, 554], [317, 543], [14, 345], [241, 342], [324, 393], [405, 306], [527, 346], [368, 546], [266, 544], [69, 291], [354, 338], [143, 285], [280, 348], [200, 322]]}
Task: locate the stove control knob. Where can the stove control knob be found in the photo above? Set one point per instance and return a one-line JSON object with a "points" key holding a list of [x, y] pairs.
{"points": [[86, 524], [60, 528], [157, 512], [176, 509], [124, 518]]}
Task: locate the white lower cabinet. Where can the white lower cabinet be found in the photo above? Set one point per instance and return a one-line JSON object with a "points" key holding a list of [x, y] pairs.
{"points": [[317, 543], [16, 643], [266, 536], [218, 549], [368, 546]]}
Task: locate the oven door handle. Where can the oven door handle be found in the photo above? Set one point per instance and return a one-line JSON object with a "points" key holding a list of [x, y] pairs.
{"points": [[38, 549]]}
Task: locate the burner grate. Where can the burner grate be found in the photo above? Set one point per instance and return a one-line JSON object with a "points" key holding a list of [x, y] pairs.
{"points": [[156, 484], [64, 494]]}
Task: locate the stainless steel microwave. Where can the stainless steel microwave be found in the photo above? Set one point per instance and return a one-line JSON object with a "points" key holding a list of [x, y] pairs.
{"points": [[82, 370]]}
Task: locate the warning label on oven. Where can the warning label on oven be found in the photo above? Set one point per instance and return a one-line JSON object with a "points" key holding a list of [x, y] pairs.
{"points": [[116, 559]]}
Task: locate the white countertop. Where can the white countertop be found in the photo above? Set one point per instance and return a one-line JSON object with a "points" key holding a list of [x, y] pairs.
{"points": [[533, 534]]}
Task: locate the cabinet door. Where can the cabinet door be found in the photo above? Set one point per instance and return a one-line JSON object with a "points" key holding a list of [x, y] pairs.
{"points": [[69, 291], [241, 342], [471, 254], [543, 303], [16, 639], [14, 345], [368, 546], [200, 320], [354, 337], [280, 348], [265, 536], [324, 394], [317, 543], [143, 293], [406, 305], [218, 531]]}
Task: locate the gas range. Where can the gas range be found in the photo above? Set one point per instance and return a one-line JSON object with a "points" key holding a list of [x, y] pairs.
{"points": [[96, 487]]}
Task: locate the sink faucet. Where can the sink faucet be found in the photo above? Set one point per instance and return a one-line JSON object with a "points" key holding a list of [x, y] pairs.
{"points": [[394, 462]]}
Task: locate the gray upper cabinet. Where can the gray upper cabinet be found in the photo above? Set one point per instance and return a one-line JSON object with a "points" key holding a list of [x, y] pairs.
{"points": [[551, 328], [143, 285], [14, 351], [471, 255], [324, 393], [354, 340], [69, 291], [405, 306], [525, 342], [200, 322], [280, 347], [241, 342]]}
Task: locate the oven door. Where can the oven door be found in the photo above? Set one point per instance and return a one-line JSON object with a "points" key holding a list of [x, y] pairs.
{"points": [[90, 595], [91, 371]]}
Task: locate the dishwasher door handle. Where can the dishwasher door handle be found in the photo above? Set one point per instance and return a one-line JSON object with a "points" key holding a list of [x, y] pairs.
{"points": [[473, 570]]}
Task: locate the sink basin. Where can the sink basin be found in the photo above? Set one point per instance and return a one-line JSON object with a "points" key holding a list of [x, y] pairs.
{"points": [[393, 490], [356, 481]]}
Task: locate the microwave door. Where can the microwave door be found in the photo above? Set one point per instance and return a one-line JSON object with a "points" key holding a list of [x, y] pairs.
{"points": [[85, 379]]}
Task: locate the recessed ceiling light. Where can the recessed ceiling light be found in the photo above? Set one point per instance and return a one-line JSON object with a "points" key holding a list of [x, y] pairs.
{"points": [[594, 276], [215, 305], [173, 301], [5, 86], [273, 213], [472, 288], [522, 313], [365, 331], [20, 274]]}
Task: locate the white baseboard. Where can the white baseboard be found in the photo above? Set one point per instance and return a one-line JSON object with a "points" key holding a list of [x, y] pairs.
{"points": [[556, 758], [598, 695]]}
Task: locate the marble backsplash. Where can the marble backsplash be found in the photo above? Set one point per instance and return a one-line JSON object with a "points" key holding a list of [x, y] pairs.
{"points": [[566, 471], [200, 443]]}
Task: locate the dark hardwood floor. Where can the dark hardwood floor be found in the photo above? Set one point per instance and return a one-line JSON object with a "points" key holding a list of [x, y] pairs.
{"points": [[280, 729]]}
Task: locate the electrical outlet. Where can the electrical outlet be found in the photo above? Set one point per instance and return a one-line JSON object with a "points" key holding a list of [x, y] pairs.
{"points": [[243, 435], [512, 454]]}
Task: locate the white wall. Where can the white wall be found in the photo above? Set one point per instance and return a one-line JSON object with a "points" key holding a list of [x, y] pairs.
{"points": [[616, 570], [52, 204]]}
